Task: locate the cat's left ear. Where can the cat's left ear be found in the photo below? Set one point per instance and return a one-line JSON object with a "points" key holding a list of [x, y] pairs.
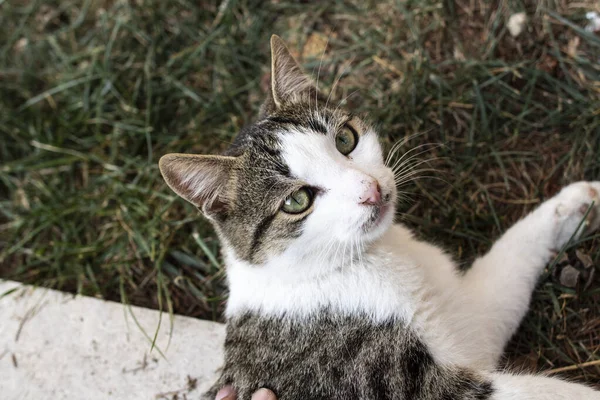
{"points": [[288, 81], [201, 180]]}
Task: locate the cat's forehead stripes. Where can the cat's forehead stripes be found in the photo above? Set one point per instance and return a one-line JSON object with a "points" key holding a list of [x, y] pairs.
{"points": [[255, 228], [314, 124]]}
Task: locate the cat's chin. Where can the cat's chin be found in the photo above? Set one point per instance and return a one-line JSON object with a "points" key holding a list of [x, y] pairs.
{"points": [[380, 221]]}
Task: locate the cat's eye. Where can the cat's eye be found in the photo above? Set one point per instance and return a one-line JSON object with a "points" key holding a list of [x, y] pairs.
{"points": [[346, 140], [299, 201]]}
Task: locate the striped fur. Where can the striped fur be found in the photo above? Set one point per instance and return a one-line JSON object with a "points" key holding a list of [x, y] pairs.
{"points": [[332, 357]]}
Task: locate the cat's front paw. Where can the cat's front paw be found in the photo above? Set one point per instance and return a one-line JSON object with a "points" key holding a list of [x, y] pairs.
{"points": [[577, 209]]}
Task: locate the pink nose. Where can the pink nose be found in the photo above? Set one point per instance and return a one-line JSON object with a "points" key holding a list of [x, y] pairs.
{"points": [[372, 195]]}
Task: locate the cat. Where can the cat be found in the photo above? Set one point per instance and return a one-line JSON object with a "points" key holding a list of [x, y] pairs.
{"points": [[329, 298]]}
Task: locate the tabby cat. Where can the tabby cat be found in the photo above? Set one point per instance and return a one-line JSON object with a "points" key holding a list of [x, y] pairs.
{"points": [[329, 299]]}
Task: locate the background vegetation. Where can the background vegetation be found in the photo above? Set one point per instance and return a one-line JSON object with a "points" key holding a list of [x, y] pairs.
{"points": [[92, 93]]}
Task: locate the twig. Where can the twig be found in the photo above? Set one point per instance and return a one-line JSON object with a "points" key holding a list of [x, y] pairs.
{"points": [[572, 367]]}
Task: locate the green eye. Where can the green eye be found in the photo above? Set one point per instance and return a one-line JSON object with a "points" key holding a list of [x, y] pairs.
{"points": [[346, 140], [298, 202]]}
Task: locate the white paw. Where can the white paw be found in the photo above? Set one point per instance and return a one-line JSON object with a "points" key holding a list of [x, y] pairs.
{"points": [[577, 209]]}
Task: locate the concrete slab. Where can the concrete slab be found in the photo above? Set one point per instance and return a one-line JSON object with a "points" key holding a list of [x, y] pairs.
{"points": [[59, 346]]}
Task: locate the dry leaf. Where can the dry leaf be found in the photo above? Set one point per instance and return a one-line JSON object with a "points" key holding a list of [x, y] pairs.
{"points": [[314, 46]]}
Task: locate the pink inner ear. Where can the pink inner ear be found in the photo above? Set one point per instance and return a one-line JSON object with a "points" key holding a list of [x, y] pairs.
{"points": [[205, 184], [198, 179]]}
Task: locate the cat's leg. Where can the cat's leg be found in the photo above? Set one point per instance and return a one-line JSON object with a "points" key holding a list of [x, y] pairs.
{"points": [[530, 387], [494, 294]]}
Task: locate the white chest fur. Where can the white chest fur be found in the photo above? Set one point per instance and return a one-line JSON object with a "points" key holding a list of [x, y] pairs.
{"points": [[378, 284]]}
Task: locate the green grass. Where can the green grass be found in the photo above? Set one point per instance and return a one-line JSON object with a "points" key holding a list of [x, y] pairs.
{"points": [[93, 93]]}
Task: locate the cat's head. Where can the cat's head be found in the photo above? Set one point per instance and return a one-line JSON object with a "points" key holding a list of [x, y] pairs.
{"points": [[306, 180]]}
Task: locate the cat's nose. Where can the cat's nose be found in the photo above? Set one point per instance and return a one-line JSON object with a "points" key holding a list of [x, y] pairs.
{"points": [[372, 194]]}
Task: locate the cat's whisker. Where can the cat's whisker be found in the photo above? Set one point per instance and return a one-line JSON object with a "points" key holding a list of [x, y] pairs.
{"points": [[269, 170], [362, 256], [276, 176], [355, 252], [413, 155], [327, 256], [413, 163], [396, 147], [273, 173], [360, 250], [338, 81], [411, 170], [424, 177], [271, 188], [401, 142], [319, 73], [337, 248], [325, 250], [341, 102], [343, 250], [274, 160], [401, 169], [406, 176], [393, 150], [415, 175], [419, 150], [345, 254], [352, 253], [354, 247]]}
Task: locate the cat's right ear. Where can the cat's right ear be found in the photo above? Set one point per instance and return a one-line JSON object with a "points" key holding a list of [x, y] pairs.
{"points": [[201, 180], [288, 81]]}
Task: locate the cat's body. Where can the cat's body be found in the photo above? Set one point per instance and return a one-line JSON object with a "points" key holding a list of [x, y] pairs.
{"points": [[329, 299], [329, 356]]}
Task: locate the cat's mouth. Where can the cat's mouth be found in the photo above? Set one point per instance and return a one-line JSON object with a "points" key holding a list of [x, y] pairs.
{"points": [[377, 217]]}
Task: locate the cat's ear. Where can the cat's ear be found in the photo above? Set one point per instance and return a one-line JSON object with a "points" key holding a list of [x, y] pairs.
{"points": [[288, 80], [201, 180]]}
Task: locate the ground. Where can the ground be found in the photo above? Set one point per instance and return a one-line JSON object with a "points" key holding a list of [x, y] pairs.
{"points": [[92, 93]]}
